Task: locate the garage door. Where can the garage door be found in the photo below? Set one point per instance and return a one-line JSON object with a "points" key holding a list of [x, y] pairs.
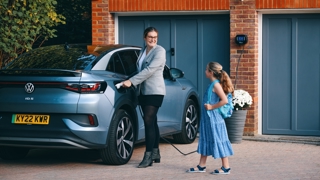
{"points": [[190, 41], [291, 74]]}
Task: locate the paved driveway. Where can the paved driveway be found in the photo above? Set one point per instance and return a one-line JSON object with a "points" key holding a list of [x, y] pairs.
{"points": [[252, 160]]}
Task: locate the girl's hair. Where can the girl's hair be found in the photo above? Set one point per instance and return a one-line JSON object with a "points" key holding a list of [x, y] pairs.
{"points": [[223, 77], [149, 29]]}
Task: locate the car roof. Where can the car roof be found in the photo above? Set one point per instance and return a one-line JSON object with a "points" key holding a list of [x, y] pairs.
{"points": [[99, 49], [63, 56]]}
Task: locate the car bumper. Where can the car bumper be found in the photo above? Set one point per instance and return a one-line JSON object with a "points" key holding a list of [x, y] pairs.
{"points": [[63, 131]]}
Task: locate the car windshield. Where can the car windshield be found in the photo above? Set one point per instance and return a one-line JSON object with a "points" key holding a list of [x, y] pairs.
{"points": [[70, 57]]}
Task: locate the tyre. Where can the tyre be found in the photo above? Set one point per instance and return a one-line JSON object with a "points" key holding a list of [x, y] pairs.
{"points": [[121, 139], [13, 153], [190, 124]]}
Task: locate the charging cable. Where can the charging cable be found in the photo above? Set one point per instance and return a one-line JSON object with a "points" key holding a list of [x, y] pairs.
{"points": [[169, 141], [177, 148], [235, 84], [120, 85]]}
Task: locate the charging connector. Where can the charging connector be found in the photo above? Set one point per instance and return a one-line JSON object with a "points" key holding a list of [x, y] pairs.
{"points": [[119, 85]]}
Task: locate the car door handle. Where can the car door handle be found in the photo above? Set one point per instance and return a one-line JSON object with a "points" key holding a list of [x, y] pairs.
{"points": [[172, 51]]}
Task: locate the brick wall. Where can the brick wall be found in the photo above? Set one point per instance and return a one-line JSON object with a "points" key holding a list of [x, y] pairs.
{"points": [[167, 5], [287, 4], [244, 20], [102, 23]]}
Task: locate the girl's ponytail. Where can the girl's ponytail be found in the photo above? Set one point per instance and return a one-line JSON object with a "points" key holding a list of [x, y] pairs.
{"points": [[226, 82]]}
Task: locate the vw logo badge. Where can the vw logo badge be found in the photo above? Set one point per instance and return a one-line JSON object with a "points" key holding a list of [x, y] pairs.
{"points": [[29, 88]]}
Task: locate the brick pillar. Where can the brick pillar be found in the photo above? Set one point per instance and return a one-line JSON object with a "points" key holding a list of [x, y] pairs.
{"points": [[102, 23], [244, 20]]}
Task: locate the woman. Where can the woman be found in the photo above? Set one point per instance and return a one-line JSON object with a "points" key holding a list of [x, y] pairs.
{"points": [[150, 63]]}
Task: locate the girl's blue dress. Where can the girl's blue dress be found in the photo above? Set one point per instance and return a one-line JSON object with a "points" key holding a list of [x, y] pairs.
{"points": [[213, 137]]}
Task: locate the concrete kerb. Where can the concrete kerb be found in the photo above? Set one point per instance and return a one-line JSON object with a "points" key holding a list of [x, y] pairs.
{"points": [[313, 140]]}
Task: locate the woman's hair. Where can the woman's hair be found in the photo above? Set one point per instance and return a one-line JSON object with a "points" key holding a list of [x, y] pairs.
{"points": [[149, 29], [223, 77]]}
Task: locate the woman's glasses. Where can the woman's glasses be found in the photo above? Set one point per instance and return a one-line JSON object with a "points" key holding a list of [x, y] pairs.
{"points": [[152, 37]]}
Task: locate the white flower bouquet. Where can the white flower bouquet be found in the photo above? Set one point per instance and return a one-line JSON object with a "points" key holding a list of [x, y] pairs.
{"points": [[241, 99]]}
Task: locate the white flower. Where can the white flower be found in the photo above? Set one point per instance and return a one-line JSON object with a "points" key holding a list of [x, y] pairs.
{"points": [[241, 99]]}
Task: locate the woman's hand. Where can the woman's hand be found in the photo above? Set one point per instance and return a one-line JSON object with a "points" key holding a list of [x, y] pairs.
{"points": [[126, 83], [208, 106]]}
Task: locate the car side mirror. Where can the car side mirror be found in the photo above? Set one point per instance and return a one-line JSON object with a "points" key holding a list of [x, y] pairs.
{"points": [[176, 73]]}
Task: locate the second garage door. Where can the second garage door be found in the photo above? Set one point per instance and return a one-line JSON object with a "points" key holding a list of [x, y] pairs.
{"points": [[291, 74]]}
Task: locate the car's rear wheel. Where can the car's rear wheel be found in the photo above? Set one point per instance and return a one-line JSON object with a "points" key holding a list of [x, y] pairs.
{"points": [[190, 124], [120, 140], [13, 153]]}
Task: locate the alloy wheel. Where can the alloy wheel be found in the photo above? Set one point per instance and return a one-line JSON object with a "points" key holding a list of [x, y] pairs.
{"points": [[124, 137]]}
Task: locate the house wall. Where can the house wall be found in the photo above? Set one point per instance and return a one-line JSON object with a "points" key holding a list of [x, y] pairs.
{"points": [[243, 20], [103, 29], [167, 5], [287, 4]]}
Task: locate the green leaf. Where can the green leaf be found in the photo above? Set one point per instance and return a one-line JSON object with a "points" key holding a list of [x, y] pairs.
{"points": [[24, 22]]}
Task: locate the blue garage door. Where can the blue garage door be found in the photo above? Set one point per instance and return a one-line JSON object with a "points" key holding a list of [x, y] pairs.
{"points": [[190, 41], [291, 74]]}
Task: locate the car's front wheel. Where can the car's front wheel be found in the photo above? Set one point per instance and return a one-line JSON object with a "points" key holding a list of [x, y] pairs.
{"points": [[190, 124], [120, 140], [13, 153]]}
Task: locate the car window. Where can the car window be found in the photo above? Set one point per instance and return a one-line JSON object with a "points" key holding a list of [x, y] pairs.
{"points": [[129, 59], [115, 64], [166, 73], [110, 66]]}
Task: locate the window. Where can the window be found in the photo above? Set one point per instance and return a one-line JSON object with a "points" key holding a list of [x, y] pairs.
{"points": [[166, 73], [129, 59], [110, 66], [115, 64]]}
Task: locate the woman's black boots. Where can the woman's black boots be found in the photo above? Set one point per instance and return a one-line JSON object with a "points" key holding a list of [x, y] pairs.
{"points": [[156, 155], [149, 157], [147, 160]]}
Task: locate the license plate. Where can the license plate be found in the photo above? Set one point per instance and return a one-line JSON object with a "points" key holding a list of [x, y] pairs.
{"points": [[30, 119]]}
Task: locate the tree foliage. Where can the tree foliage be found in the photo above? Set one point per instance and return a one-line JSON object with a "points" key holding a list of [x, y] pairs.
{"points": [[24, 23], [77, 28]]}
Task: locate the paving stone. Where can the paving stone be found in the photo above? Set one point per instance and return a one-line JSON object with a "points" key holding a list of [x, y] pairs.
{"points": [[263, 160]]}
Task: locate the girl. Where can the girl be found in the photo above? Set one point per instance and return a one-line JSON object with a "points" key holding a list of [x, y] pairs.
{"points": [[213, 138]]}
